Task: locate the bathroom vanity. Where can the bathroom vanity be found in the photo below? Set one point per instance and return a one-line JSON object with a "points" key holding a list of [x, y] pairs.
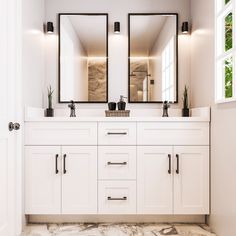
{"points": [[133, 165]]}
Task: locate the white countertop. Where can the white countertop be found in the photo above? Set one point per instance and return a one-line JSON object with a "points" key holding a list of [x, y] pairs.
{"points": [[115, 119], [142, 115]]}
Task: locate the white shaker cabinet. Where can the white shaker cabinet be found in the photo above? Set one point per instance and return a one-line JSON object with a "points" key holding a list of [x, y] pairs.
{"points": [[117, 166], [79, 180], [154, 180], [191, 180], [173, 180], [42, 180], [60, 180]]}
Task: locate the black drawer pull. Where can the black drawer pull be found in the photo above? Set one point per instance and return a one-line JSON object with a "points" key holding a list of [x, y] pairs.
{"points": [[169, 156], [177, 170], [116, 163], [117, 133], [56, 166], [117, 199], [64, 164]]}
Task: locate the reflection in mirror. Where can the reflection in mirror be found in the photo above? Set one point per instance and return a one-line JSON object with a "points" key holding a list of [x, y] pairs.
{"points": [[153, 57], [83, 59]]}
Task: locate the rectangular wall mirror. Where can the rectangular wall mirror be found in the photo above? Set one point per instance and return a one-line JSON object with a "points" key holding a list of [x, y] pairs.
{"points": [[153, 57], [83, 58]]}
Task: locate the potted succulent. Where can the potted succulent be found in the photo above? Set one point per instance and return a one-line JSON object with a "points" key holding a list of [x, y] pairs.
{"points": [[49, 110], [185, 110]]}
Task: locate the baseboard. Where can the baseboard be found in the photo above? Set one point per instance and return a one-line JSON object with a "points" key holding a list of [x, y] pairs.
{"points": [[116, 219]]}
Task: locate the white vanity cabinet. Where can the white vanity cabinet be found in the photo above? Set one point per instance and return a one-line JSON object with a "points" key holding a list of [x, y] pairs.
{"points": [[155, 181], [117, 166], [191, 179], [60, 179], [173, 180], [42, 180]]}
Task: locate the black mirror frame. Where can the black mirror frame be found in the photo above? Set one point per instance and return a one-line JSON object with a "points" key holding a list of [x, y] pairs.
{"points": [[177, 54], [59, 54]]}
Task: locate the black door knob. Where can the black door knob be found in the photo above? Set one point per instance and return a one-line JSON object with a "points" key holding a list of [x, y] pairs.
{"points": [[13, 126]]}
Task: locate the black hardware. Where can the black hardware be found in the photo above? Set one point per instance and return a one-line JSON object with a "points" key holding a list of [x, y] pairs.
{"points": [[56, 167], [13, 126], [177, 170], [117, 133], [72, 109], [169, 156], [117, 199], [117, 163], [64, 164], [165, 107]]}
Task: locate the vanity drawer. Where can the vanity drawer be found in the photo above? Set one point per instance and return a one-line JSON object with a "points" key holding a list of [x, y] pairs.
{"points": [[117, 133], [61, 133], [117, 197], [117, 162], [176, 133]]}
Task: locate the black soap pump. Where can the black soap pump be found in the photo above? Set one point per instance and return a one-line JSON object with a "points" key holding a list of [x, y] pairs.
{"points": [[121, 104]]}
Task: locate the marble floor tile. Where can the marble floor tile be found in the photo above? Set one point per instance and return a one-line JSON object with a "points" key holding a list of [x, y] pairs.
{"points": [[117, 230]]}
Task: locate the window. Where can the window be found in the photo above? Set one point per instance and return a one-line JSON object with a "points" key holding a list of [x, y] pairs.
{"points": [[168, 75], [225, 51]]}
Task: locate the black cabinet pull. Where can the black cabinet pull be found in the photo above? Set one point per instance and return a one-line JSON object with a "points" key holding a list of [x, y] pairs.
{"points": [[56, 162], [64, 164], [177, 170], [169, 157], [117, 199], [116, 163], [117, 133]]}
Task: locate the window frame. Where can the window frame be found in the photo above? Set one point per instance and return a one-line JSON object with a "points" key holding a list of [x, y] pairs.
{"points": [[221, 11], [168, 67]]}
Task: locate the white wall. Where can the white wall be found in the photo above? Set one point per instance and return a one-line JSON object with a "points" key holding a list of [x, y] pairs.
{"points": [[33, 61], [118, 44], [223, 131]]}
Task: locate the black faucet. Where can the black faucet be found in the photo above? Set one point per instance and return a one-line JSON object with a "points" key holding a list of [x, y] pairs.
{"points": [[165, 107], [72, 109]]}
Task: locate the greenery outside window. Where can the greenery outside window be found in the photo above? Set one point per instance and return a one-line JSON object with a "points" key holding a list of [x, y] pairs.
{"points": [[225, 51]]}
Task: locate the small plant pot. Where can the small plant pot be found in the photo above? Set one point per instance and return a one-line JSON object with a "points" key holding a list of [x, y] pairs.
{"points": [[111, 106], [49, 112], [185, 112]]}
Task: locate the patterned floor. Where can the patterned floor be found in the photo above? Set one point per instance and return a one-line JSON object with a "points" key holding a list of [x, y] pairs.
{"points": [[117, 230]]}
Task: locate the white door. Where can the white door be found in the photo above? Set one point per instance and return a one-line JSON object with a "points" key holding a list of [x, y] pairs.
{"points": [[79, 180], [42, 180], [191, 181], [154, 180], [8, 67]]}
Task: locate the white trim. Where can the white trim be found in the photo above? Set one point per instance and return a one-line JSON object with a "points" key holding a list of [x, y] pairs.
{"points": [[221, 55], [226, 100]]}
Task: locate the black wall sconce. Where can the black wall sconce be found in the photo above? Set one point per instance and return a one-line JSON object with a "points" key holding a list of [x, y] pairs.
{"points": [[117, 27], [50, 28], [185, 27]]}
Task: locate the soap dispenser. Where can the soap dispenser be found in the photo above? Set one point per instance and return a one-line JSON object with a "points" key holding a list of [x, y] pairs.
{"points": [[121, 104]]}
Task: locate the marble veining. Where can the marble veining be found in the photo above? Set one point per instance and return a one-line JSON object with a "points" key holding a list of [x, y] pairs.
{"points": [[117, 230]]}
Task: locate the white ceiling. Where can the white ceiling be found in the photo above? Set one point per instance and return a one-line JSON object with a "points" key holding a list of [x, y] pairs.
{"points": [[144, 31], [91, 31]]}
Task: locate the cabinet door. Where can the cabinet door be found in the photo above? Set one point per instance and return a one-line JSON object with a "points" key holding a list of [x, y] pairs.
{"points": [[154, 180], [42, 180], [79, 180], [191, 181]]}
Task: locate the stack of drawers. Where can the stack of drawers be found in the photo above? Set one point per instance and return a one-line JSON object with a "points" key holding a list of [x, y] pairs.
{"points": [[117, 168]]}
